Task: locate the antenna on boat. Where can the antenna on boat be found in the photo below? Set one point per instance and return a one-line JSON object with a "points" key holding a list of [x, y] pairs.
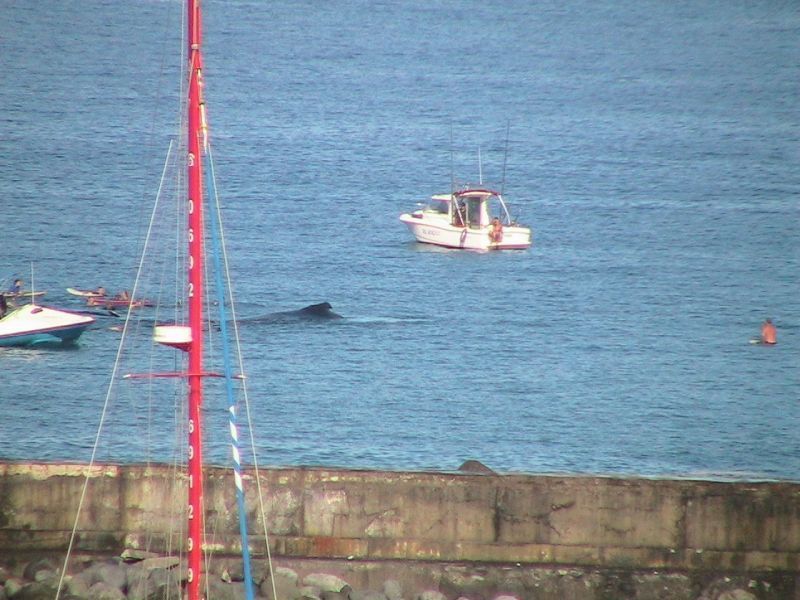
{"points": [[33, 288], [505, 160], [452, 176], [453, 205], [480, 167]]}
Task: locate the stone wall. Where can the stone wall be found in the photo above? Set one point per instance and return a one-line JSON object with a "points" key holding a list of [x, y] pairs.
{"points": [[596, 524]]}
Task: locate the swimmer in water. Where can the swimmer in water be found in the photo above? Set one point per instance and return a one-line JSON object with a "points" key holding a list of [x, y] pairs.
{"points": [[769, 334]]}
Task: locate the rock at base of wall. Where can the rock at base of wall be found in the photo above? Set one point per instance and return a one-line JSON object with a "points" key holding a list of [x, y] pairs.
{"points": [[110, 578]]}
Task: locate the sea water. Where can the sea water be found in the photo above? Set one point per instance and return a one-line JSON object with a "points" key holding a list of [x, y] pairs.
{"points": [[653, 147]]}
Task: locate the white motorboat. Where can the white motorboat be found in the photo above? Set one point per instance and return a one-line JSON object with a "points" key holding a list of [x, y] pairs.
{"points": [[472, 218], [31, 325]]}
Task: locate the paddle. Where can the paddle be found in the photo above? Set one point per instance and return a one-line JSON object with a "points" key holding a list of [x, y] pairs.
{"points": [[107, 313]]}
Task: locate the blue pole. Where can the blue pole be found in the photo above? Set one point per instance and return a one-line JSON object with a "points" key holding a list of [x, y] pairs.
{"points": [[223, 325]]}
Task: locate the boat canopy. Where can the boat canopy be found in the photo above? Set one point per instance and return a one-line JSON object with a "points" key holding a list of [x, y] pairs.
{"points": [[475, 192], [475, 205], [466, 192]]}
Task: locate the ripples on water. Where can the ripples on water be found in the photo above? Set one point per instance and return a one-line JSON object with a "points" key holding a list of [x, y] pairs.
{"points": [[653, 148]]}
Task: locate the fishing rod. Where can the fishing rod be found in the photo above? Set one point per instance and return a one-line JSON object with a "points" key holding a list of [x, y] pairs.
{"points": [[511, 220], [452, 166]]}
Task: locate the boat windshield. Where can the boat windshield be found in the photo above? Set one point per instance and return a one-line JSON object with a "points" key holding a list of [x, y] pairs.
{"points": [[475, 211], [437, 205]]}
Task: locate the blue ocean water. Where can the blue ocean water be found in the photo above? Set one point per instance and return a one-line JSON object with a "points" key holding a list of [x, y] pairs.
{"points": [[653, 147]]}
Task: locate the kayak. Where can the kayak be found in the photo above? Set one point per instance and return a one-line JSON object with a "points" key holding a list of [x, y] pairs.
{"points": [[85, 293], [117, 302], [23, 294]]}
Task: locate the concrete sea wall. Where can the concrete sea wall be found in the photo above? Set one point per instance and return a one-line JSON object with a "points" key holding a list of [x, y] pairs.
{"points": [[427, 522]]}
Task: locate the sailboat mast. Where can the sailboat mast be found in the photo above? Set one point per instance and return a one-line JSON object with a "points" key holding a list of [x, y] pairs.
{"points": [[195, 293]]}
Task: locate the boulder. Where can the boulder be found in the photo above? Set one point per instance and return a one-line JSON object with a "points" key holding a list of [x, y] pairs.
{"points": [[326, 583], [219, 590], [155, 584], [75, 586], [728, 588], [36, 591], [286, 587], [36, 566], [104, 591], [392, 589], [475, 467], [309, 592], [458, 580], [663, 585], [135, 555], [431, 595], [45, 576], [12, 586], [112, 574], [358, 595], [737, 594], [260, 571], [161, 562]]}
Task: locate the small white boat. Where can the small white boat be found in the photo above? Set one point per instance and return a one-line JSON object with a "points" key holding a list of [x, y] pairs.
{"points": [[472, 218], [30, 325], [98, 293]]}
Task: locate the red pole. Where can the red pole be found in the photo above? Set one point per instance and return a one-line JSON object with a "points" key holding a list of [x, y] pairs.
{"points": [[195, 236]]}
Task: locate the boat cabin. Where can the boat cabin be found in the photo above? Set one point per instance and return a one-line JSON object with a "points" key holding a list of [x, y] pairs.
{"points": [[473, 208]]}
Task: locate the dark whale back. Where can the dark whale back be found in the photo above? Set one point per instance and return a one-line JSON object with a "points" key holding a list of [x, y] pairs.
{"points": [[321, 311]]}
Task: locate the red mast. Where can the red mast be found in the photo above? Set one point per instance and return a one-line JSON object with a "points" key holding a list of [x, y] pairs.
{"points": [[195, 292]]}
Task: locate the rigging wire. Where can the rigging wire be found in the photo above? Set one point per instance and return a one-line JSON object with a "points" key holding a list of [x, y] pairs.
{"points": [[234, 434], [130, 322], [239, 355], [114, 372]]}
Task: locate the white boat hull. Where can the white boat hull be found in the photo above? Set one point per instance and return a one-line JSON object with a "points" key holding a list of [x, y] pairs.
{"points": [[85, 293], [433, 230], [32, 325]]}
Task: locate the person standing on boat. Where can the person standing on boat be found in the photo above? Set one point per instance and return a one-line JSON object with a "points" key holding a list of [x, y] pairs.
{"points": [[16, 288], [496, 232], [769, 334], [461, 215]]}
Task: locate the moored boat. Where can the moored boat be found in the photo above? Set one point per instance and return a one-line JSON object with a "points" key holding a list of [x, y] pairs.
{"points": [[472, 218], [32, 325]]}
